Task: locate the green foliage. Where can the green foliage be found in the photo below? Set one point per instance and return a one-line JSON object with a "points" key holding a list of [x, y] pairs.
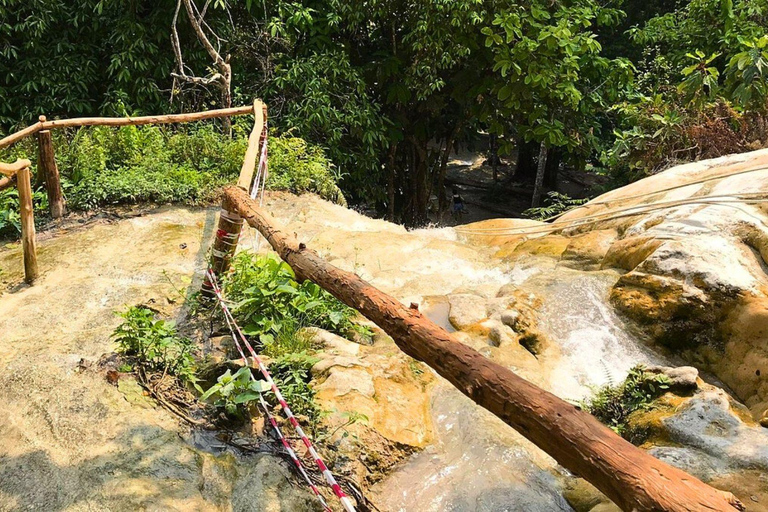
{"points": [[289, 340], [747, 73], [299, 167], [62, 57], [612, 405], [292, 374], [10, 221], [268, 299], [233, 393], [555, 203], [155, 344], [701, 79]]}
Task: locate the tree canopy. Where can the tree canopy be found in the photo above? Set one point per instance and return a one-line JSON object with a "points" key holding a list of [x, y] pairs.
{"points": [[389, 88]]}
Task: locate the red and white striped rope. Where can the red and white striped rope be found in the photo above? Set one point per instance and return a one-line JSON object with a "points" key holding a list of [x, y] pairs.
{"points": [[228, 318], [329, 478]]}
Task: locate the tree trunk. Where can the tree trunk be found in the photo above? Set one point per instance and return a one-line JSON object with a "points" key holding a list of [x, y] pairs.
{"points": [[26, 212], [391, 183], [494, 157], [442, 204], [49, 172], [539, 184], [525, 169], [226, 94], [554, 157], [629, 476]]}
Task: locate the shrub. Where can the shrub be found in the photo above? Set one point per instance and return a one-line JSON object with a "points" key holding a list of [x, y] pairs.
{"points": [[105, 166], [137, 164], [292, 374], [155, 344], [10, 221], [234, 392], [268, 299], [612, 405]]}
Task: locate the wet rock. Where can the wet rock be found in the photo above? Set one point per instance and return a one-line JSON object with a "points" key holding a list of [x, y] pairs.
{"points": [[583, 496], [266, 484], [552, 246], [682, 380], [500, 334], [587, 251], [342, 381], [709, 424], [466, 310], [333, 343], [627, 253]]}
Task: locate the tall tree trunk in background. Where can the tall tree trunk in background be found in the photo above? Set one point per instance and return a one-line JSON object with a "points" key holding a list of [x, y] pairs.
{"points": [[539, 184], [525, 170], [391, 174], [494, 157], [442, 204], [421, 172], [554, 157]]}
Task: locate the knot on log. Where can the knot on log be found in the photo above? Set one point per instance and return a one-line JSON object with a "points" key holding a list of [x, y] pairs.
{"points": [[302, 246], [414, 306]]}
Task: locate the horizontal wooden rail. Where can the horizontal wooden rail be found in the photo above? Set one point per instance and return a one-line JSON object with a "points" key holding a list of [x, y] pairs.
{"points": [[629, 476], [123, 121], [21, 134], [10, 170]]}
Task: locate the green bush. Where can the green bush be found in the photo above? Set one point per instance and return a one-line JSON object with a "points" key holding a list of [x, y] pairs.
{"points": [[155, 344], [555, 203], [612, 405], [133, 164], [268, 300]]}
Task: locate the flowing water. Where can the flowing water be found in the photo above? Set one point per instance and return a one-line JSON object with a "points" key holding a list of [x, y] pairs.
{"points": [[477, 462]]}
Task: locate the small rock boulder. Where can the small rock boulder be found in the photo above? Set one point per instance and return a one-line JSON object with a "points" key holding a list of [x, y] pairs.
{"points": [[682, 380], [466, 310]]}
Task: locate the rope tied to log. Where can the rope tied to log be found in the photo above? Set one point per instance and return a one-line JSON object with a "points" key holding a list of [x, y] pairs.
{"points": [[237, 333]]}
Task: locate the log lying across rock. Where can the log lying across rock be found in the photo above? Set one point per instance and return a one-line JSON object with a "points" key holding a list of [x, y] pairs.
{"points": [[629, 476]]}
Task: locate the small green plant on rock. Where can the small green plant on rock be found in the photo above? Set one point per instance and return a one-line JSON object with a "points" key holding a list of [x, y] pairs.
{"points": [[292, 374], [612, 405], [555, 203], [233, 393], [155, 345]]}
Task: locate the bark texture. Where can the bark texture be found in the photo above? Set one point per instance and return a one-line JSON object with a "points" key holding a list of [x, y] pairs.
{"points": [[48, 171], [28, 245], [632, 478]]}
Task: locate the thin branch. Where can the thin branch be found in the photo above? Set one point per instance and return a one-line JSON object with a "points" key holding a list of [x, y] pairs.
{"points": [[216, 56]]}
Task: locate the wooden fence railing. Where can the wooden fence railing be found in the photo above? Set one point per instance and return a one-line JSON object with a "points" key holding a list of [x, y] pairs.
{"points": [[18, 173]]}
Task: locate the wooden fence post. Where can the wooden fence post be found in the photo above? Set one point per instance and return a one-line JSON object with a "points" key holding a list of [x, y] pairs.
{"points": [[48, 171], [26, 211], [224, 246], [230, 223]]}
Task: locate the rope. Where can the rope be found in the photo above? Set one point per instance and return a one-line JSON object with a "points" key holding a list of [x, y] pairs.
{"points": [[667, 189], [260, 180], [272, 421], [722, 200], [237, 333]]}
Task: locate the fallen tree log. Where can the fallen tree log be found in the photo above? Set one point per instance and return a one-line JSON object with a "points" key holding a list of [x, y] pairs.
{"points": [[629, 476]]}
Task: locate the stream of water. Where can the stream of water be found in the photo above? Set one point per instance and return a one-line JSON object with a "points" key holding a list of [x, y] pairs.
{"points": [[480, 464]]}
